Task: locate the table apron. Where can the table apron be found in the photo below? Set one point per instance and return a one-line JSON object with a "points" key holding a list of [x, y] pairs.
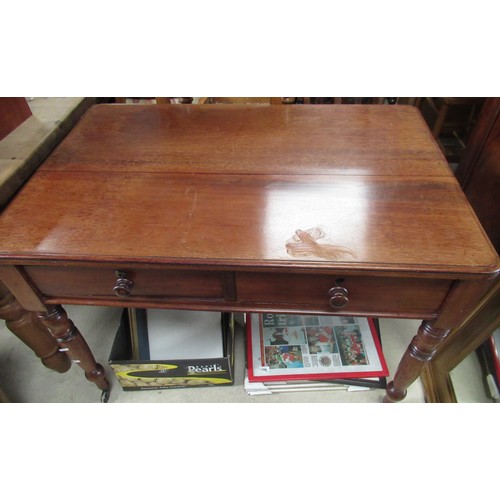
{"points": [[177, 287]]}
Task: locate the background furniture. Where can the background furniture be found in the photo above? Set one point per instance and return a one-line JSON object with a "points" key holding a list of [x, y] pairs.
{"points": [[13, 112], [244, 100], [267, 100], [28, 144], [479, 176], [157, 100], [451, 120], [349, 100], [206, 100]]}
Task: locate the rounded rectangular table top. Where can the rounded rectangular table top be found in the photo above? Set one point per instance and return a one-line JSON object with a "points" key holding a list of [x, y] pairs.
{"points": [[349, 187]]}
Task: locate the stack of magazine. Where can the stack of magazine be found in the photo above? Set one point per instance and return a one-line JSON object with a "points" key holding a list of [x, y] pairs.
{"points": [[289, 352]]}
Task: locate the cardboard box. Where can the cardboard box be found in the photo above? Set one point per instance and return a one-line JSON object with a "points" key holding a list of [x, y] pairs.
{"points": [[144, 373]]}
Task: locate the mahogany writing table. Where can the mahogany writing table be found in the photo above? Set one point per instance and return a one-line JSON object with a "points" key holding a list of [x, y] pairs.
{"points": [[346, 210]]}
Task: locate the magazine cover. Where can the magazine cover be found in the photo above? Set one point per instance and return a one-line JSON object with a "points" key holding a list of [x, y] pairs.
{"points": [[298, 347]]}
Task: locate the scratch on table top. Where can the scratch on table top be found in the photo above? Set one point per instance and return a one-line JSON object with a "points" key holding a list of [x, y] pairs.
{"points": [[190, 191]]}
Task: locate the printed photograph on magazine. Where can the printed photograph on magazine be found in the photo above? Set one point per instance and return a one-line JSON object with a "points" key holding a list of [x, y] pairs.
{"points": [[295, 347]]}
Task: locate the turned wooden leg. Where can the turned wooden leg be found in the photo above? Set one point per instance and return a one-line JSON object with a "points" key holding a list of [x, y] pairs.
{"points": [[68, 337], [25, 325], [419, 352]]}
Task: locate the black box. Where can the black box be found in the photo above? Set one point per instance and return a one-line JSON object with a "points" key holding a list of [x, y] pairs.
{"points": [[144, 373]]}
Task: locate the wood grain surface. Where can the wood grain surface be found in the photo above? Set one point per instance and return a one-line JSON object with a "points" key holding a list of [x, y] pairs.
{"points": [[237, 184]]}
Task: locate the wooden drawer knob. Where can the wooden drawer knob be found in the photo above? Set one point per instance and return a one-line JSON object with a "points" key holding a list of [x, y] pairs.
{"points": [[123, 286], [338, 297]]}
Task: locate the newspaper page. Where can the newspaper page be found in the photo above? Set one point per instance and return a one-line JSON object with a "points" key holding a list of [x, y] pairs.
{"points": [[287, 347]]}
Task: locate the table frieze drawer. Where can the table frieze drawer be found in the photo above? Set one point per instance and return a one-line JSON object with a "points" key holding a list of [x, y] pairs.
{"points": [[349, 294], [123, 282]]}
